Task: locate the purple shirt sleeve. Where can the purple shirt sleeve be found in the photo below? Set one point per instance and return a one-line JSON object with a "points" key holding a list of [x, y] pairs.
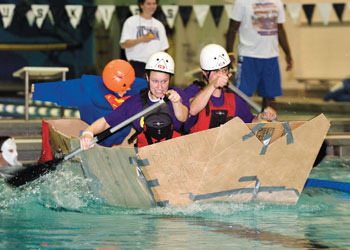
{"points": [[243, 110], [185, 101], [192, 91]]}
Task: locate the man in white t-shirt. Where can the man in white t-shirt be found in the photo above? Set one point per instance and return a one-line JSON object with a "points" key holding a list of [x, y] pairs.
{"points": [[143, 35], [260, 26]]}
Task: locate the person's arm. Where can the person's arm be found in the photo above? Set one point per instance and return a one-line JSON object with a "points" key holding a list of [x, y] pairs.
{"points": [[132, 42], [98, 126], [230, 39], [199, 102], [283, 41], [180, 110]]}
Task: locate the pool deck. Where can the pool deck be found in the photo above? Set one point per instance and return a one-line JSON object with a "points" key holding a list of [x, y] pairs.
{"points": [[291, 108]]}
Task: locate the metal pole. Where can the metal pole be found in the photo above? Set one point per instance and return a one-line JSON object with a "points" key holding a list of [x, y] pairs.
{"points": [[63, 79], [26, 95]]}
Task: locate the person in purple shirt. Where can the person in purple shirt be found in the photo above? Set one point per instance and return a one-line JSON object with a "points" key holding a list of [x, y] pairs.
{"points": [[161, 124], [211, 103]]}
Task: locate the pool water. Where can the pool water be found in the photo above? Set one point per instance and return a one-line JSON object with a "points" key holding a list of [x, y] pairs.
{"points": [[58, 212]]}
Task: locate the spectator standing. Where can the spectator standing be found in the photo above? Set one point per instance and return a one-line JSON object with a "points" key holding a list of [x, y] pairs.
{"points": [[260, 26], [143, 35]]}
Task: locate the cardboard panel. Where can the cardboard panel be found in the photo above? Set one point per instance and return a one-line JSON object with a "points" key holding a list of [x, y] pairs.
{"points": [[178, 165], [114, 178], [283, 168]]}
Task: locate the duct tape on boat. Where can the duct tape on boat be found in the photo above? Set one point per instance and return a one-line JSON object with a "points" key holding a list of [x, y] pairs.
{"points": [[254, 129], [266, 143], [288, 130], [163, 203], [254, 191], [138, 162]]}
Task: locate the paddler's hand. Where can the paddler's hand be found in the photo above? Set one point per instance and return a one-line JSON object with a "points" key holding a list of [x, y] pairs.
{"points": [[173, 96], [85, 140], [221, 80], [269, 114]]}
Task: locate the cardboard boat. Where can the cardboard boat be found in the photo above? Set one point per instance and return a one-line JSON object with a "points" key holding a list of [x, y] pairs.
{"points": [[263, 162]]}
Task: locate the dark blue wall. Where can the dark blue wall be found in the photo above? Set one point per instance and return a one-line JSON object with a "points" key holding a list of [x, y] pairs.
{"points": [[77, 56]]}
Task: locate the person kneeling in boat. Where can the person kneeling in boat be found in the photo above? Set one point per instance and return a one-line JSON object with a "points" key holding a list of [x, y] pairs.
{"points": [[159, 125], [211, 102], [8, 152]]}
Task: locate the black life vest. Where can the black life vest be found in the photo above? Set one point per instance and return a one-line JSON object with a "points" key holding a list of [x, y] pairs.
{"points": [[157, 124]]}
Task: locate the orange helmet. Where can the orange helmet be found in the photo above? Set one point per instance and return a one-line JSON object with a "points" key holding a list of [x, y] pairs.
{"points": [[118, 75]]}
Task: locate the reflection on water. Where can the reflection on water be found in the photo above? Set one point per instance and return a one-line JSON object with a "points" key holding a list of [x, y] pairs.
{"points": [[58, 211]]}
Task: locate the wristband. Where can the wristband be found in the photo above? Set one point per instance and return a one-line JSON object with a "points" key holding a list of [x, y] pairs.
{"points": [[87, 132]]}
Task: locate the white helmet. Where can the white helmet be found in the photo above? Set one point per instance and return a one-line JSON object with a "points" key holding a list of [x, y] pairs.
{"points": [[213, 57], [161, 61]]}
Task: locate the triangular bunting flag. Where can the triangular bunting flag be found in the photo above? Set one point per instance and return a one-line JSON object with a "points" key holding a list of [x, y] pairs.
{"points": [[294, 11], [228, 9], [6, 12], [40, 12], [105, 12], [74, 13], [170, 12], [30, 17], [309, 11], [123, 12], [135, 10], [201, 12], [216, 11], [325, 10], [339, 9], [185, 13]]}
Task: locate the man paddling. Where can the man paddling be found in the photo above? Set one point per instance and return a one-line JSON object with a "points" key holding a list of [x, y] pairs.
{"points": [[212, 104], [8, 152], [159, 125]]}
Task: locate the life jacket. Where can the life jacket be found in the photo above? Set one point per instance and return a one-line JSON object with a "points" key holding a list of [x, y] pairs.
{"points": [[157, 125], [212, 116]]}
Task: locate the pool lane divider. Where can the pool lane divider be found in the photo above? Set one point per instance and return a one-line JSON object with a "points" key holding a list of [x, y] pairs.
{"points": [[37, 111], [336, 185]]}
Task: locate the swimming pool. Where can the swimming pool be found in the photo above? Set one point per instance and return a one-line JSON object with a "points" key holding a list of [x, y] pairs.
{"points": [[58, 212]]}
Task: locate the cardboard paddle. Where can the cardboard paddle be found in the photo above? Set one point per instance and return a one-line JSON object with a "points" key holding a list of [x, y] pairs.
{"points": [[20, 175]]}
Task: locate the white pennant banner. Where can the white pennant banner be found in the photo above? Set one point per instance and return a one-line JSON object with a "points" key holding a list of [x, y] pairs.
{"points": [[30, 17], [170, 12], [294, 11], [74, 13], [201, 12], [106, 13], [7, 11], [135, 10], [325, 11], [228, 9], [40, 12]]}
